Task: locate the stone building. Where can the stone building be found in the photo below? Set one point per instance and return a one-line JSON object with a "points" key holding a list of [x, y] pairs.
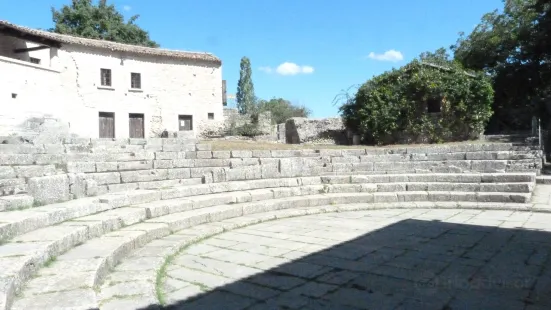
{"points": [[104, 89]]}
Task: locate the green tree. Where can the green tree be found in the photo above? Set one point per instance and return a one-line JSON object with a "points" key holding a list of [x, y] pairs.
{"points": [[246, 100], [282, 109], [395, 107], [513, 47], [99, 21]]}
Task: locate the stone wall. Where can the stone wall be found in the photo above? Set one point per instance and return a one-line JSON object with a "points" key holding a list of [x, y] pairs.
{"points": [[46, 173], [66, 86], [324, 130]]}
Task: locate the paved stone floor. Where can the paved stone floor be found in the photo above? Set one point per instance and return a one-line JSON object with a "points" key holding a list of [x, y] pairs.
{"points": [[387, 259]]}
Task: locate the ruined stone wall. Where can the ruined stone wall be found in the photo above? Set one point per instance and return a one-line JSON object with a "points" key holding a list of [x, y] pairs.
{"points": [[46, 173], [323, 130]]}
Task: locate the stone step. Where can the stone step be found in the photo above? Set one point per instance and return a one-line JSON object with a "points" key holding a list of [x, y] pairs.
{"points": [[543, 179], [113, 234], [16, 202], [14, 223], [73, 278]]}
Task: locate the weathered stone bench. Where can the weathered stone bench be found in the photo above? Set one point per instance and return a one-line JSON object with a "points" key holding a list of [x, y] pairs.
{"points": [[101, 231], [82, 210]]}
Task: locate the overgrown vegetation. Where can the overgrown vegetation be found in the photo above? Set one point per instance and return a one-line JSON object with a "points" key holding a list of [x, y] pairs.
{"points": [[282, 109], [513, 46], [431, 99], [99, 21]]}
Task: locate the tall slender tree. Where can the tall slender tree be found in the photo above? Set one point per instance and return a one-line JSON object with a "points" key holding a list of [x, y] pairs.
{"points": [[245, 89], [99, 21]]}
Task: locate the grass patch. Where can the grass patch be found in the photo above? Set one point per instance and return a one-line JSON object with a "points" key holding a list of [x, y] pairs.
{"points": [[161, 276], [50, 261]]}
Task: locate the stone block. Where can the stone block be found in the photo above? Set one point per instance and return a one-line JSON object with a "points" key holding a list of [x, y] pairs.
{"points": [[262, 154], [137, 141], [489, 165], [179, 173], [285, 153], [12, 186], [239, 162], [178, 147], [480, 155], [77, 148], [204, 154], [92, 188], [81, 167], [163, 164], [358, 152], [220, 154], [49, 189], [330, 153], [219, 174], [190, 155], [203, 147], [107, 166], [163, 184], [7, 172], [144, 175], [77, 185], [345, 160], [211, 163], [16, 159], [54, 148], [135, 165], [153, 148], [49, 159], [199, 172], [270, 170], [166, 155], [241, 154], [16, 202], [243, 173], [34, 171], [123, 187], [21, 149], [105, 177], [183, 163]]}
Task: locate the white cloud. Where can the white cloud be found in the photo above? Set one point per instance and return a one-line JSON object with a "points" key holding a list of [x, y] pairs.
{"points": [[289, 68], [265, 69], [390, 55], [127, 8]]}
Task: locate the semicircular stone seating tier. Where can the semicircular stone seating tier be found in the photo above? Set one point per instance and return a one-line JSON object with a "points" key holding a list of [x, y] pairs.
{"points": [[78, 213]]}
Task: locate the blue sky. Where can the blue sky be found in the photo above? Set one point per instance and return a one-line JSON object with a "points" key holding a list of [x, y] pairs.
{"points": [[306, 51]]}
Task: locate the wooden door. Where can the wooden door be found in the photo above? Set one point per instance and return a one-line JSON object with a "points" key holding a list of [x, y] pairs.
{"points": [[136, 125], [106, 125], [185, 122]]}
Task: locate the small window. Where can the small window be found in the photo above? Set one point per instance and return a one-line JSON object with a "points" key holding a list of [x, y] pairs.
{"points": [[211, 115], [135, 80], [434, 105], [185, 122], [105, 77], [35, 60]]}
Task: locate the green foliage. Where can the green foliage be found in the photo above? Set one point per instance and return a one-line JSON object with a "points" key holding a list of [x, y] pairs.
{"points": [[514, 47], [245, 89], [246, 130], [282, 109], [102, 21], [392, 107]]}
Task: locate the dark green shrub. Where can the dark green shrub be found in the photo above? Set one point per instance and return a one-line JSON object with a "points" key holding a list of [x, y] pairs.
{"points": [[395, 106]]}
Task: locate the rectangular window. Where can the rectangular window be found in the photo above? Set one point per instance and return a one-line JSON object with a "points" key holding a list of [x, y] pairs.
{"points": [[185, 122], [135, 80], [105, 77], [211, 115], [35, 60]]}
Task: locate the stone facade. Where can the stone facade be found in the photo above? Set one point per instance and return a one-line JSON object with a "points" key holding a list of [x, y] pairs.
{"points": [[64, 83]]}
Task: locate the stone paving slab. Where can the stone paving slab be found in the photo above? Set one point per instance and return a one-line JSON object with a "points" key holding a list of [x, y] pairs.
{"points": [[416, 260]]}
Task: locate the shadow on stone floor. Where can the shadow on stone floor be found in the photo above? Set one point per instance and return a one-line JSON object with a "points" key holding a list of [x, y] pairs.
{"points": [[413, 264]]}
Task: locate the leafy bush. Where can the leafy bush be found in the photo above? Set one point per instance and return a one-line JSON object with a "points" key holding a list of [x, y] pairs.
{"points": [[393, 107], [282, 109], [246, 130]]}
